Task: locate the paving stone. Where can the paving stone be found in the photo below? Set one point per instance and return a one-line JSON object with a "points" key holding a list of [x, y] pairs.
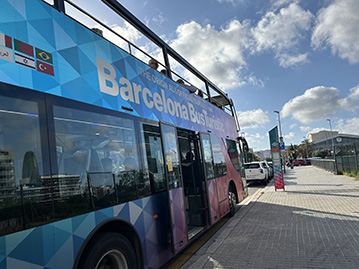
{"points": [[314, 223]]}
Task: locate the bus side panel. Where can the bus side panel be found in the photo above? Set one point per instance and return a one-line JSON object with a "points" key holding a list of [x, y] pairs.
{"points": [[222, 186], [232, 173], [178, 219], [213, 200], [152, 224], [51, 243]]}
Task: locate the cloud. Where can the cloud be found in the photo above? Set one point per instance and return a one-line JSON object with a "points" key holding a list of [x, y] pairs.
{"points": [[217, 54], [290, 135], [337, 26], [305, 128], [352, 101], [127, 31], [253, 138], [252, 118], [233, 2], [292, 126], [282, 32], [349, 126], [315, 104]]}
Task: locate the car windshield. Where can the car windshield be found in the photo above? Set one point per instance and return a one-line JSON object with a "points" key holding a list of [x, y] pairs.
{"points": [[251, 165]]}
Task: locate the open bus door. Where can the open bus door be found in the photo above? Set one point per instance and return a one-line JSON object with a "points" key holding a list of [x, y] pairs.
{"points": [[194, 184], [174, 187], [242, 170]]}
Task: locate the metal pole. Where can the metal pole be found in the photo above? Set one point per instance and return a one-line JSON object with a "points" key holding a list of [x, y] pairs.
{"points": [[306, 147], [281, 140], [331, 132]]}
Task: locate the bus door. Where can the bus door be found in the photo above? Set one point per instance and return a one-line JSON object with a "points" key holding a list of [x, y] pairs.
{"points": [[242, 171], [210, 182], [193, 181], [174, 187]]}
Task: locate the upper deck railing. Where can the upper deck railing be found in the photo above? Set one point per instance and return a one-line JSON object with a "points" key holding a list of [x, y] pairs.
{"points": [[210, 91]]}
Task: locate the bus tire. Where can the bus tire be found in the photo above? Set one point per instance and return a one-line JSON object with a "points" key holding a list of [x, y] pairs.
{"points": [[110, 250], [232, 203]]}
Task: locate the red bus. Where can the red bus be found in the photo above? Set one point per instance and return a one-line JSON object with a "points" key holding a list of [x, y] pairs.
{"points": [[104, 162]]}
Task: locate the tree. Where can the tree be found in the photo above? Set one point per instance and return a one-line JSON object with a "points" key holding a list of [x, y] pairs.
{"points": [[252, 157], [322, 153]]}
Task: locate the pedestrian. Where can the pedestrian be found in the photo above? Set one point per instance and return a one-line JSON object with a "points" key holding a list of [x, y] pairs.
{"points": [[291, 162], [164, 72], [153, 63]]}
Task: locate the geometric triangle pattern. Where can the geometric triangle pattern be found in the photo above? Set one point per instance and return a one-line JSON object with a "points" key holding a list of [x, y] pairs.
{"points": [[56, 245], [74, 73], [179, 226], [213, 200]]}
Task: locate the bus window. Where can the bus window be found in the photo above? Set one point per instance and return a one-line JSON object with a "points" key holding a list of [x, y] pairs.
{"points": [[220, 168], [208, 158], [171, 155], [24, 199], [153, 157], [234, 155], [99, 151], [213, 156]]}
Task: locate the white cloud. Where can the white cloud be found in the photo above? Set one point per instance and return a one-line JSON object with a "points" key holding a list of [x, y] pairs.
{"points": [[315, 104], [233, 2], [290, 135], [127, 31], [252, 118], [281, 33], [352, 101], [218, 54], [253, 138], [349, 126], [292, 126], [337, 26], [305, 128], [286, 60]]}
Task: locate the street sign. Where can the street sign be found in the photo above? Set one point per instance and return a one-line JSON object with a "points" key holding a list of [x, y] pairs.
{"points": [[281, 145]]}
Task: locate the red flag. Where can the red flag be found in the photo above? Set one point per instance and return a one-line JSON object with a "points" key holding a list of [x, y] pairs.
{"points": [[5, 40], [45, 68], [23, 47]]}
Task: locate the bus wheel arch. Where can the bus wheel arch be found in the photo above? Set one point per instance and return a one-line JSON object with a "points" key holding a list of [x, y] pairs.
{"points": [[127, 240], [232, 198]]}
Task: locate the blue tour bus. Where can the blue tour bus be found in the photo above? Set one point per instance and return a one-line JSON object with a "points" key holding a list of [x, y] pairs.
{"points": [[104, 162]]}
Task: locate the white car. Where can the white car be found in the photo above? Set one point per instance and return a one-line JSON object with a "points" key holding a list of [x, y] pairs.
{"points": [[255, 171], [269, 168]]}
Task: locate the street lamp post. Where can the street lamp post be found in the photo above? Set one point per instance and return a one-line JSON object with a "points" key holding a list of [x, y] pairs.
{"points": [[331, 133], [280, 139], [245, 149], [306, 147]]}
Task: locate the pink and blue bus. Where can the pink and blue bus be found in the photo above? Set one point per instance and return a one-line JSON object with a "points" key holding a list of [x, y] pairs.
{"points": [[104, 161]]}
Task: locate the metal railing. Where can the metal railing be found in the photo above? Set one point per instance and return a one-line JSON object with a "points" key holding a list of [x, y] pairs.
{"points": [[166, 51], [326, 164]]}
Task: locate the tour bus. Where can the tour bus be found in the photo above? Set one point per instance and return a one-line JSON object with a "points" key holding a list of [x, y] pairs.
{"points": [[104, 161]]}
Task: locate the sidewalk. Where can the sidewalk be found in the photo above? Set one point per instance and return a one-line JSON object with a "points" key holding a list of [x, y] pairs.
{"points": [[314, 223]]}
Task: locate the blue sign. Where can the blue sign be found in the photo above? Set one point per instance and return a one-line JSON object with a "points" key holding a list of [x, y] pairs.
{"points": [[281, 146]]}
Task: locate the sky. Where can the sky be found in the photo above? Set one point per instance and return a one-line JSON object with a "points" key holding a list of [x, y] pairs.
{"points": [[300, 58]]}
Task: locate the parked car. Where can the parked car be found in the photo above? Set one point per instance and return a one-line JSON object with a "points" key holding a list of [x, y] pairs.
{"points": [[270, 169], [299, 162], [255, 172]]}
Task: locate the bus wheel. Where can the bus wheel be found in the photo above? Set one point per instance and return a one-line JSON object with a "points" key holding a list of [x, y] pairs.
{"points": [[110, 251], [232, 203]]}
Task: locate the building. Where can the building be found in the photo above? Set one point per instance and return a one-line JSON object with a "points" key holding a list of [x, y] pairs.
{"points": [[263, 154], [323, 139]]}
